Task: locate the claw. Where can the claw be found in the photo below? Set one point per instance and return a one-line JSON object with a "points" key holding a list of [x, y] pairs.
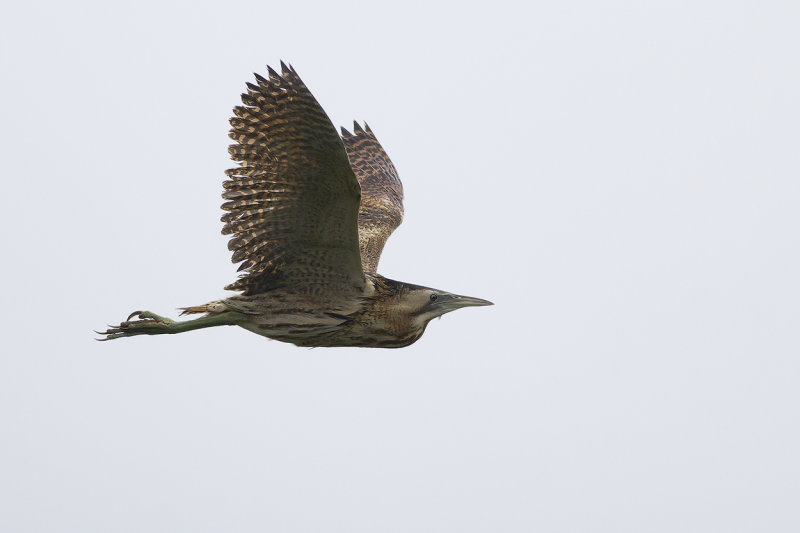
{"points": [[138, 323]]}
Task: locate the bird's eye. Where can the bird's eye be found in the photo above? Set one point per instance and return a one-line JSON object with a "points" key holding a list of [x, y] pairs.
{"points": [[434, 297]]}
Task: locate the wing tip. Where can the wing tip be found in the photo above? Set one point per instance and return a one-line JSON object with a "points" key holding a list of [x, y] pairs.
{"points": [[359, 131], [274, 77]]}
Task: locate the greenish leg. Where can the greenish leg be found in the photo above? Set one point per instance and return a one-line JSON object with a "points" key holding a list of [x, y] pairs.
{"points": [[152, 324]]}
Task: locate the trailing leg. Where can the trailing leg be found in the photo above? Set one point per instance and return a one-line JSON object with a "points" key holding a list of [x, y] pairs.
{"points": [[152, 324]]}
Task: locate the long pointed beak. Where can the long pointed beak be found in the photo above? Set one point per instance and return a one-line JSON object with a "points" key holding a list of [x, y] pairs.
{"points": [[457, 302]]}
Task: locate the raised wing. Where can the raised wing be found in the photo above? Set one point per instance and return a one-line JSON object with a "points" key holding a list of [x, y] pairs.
{"points": [[293, 201], [381, 209]]}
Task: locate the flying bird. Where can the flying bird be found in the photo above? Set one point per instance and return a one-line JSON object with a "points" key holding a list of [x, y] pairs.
{"points": [[309, 213]]}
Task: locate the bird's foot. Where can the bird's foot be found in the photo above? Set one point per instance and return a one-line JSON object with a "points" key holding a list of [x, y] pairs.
{"points": [[149, 323], [148, 315]]}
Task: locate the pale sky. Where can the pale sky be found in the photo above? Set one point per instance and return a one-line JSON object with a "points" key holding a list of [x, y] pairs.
{"points": [[622, 179]]}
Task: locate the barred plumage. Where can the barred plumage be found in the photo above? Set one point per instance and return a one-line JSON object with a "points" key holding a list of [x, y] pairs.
{"points": [[294, 199], [381, 209], [309, 214]]}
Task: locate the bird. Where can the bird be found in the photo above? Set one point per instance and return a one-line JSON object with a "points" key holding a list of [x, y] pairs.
{"points": [[309, 212]]}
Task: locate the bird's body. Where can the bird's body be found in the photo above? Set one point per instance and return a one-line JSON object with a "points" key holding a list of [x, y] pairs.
{"points": [[309, 212], [375, 318]]}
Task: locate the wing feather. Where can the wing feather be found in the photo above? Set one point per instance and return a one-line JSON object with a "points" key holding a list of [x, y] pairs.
{"points": [[292, 204], [381, 209]]}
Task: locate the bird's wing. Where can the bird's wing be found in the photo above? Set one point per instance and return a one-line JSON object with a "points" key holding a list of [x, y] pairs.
{"points": [[381, 209], [293, 202]]}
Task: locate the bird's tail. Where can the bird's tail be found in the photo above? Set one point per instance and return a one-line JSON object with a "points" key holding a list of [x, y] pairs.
{"points": [[210, 308]]}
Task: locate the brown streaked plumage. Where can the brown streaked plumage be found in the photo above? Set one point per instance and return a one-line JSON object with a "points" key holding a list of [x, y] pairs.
{"points": [[309, 213], [293, 201], [381, 209]]}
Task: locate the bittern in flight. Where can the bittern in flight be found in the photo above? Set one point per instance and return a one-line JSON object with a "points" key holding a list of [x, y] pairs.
{"points": [[309, 212]]}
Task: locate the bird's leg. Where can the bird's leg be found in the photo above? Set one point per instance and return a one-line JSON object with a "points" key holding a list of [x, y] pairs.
{"points": [[149, 315], [152, 324]]}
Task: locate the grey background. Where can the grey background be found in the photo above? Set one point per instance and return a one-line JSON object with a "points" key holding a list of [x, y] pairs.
{"points": [[620, 178]]}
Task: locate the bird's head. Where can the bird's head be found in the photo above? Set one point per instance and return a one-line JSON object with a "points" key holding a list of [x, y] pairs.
{"points": [[424, 304], [404, 310]]}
